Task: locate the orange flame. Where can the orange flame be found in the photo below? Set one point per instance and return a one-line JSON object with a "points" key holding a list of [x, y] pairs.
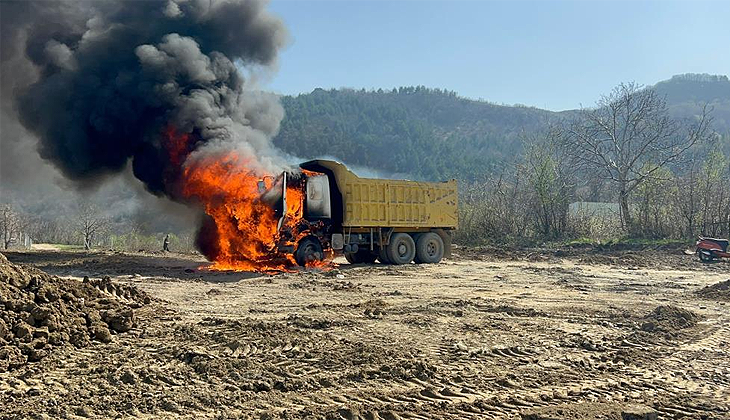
{"points": [[242, 233]]}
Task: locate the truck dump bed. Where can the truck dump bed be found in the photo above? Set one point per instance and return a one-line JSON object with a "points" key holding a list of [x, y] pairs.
{"points": [[370, 202]]}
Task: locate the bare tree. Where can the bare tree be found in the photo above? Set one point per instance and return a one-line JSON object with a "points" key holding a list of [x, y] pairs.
{"points": [[10, 225], [630, 136], [91, 222]]}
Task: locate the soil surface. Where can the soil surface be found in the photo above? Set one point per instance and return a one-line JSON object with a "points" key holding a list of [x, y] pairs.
{"points": [[536, 334]]}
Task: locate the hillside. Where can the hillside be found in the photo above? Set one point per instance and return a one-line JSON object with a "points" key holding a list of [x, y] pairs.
{"points": [[687, 93], [432, 134], [419, 132]]}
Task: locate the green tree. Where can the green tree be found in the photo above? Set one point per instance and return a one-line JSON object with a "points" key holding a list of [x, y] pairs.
{"points": [[549, 184]]}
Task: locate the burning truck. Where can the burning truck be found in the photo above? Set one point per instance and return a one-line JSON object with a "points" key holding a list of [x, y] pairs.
{"points": [[326, 208], [156, 87]]}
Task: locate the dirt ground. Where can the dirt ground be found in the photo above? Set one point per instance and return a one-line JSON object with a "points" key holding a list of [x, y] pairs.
{"points": [[487, 334]]}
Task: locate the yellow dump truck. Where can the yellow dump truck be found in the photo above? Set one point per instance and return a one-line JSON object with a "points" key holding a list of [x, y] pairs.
{"points": [[393, 221]]}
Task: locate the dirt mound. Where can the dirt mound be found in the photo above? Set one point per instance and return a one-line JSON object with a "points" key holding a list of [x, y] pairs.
{"points": [[39, 313], [719, 291], [668, 318]]}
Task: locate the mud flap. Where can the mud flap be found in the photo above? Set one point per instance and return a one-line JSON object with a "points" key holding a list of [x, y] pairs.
{"points": [[338, 241]]}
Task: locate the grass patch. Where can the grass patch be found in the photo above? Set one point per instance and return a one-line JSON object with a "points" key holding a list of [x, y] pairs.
{"points": [[67, 247], [646, 242]]}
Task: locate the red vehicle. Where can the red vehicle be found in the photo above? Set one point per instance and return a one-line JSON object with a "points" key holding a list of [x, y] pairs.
{"points": [[709, 249]]}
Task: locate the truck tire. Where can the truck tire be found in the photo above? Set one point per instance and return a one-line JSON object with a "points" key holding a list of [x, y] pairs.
{"points": [[352, 258], [369, 258], [359, 257], [429, 248], [383, 255], [705, 256], [401, 249], [309, 249]]}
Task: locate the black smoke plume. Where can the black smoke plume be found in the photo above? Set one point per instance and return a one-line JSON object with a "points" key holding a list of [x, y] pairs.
{"points": [[114, 76]]}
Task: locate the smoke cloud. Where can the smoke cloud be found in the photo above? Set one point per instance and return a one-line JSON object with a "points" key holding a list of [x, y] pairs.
{"points": [[110, 78]]}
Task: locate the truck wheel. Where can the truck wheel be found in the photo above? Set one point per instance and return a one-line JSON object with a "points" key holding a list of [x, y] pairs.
{"points": [[383, 255], [401, 249], [358, 257], [429, 248], [309, 249], [705, 256], [368, 257]]}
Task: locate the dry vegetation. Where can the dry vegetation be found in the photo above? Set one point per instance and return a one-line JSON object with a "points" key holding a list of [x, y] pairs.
{"points": [[668, 178]]}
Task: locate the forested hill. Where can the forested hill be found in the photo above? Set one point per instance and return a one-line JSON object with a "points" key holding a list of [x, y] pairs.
{"points": [[422, 133], [687, 93], [434, 134]]}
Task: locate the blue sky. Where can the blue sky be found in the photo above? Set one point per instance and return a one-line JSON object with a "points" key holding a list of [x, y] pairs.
{"points": [[550, 54]]}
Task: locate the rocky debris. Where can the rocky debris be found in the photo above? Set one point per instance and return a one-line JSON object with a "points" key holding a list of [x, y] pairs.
{"points": [[335, 272], [40, 313], [345, 285], [119, 320], [639, 412], [669, 318], [719, 291], [373, 308], [306, 322]]}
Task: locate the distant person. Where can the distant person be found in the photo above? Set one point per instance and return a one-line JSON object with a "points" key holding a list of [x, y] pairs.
{"points": [[166, 243]]}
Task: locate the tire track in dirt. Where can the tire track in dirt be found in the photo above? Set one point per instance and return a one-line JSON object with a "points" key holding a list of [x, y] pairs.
{"points": [[632, 382]]}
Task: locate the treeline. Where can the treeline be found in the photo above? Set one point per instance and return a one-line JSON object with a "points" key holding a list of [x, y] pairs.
{"points": [[87, 226], [531, 202]]}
